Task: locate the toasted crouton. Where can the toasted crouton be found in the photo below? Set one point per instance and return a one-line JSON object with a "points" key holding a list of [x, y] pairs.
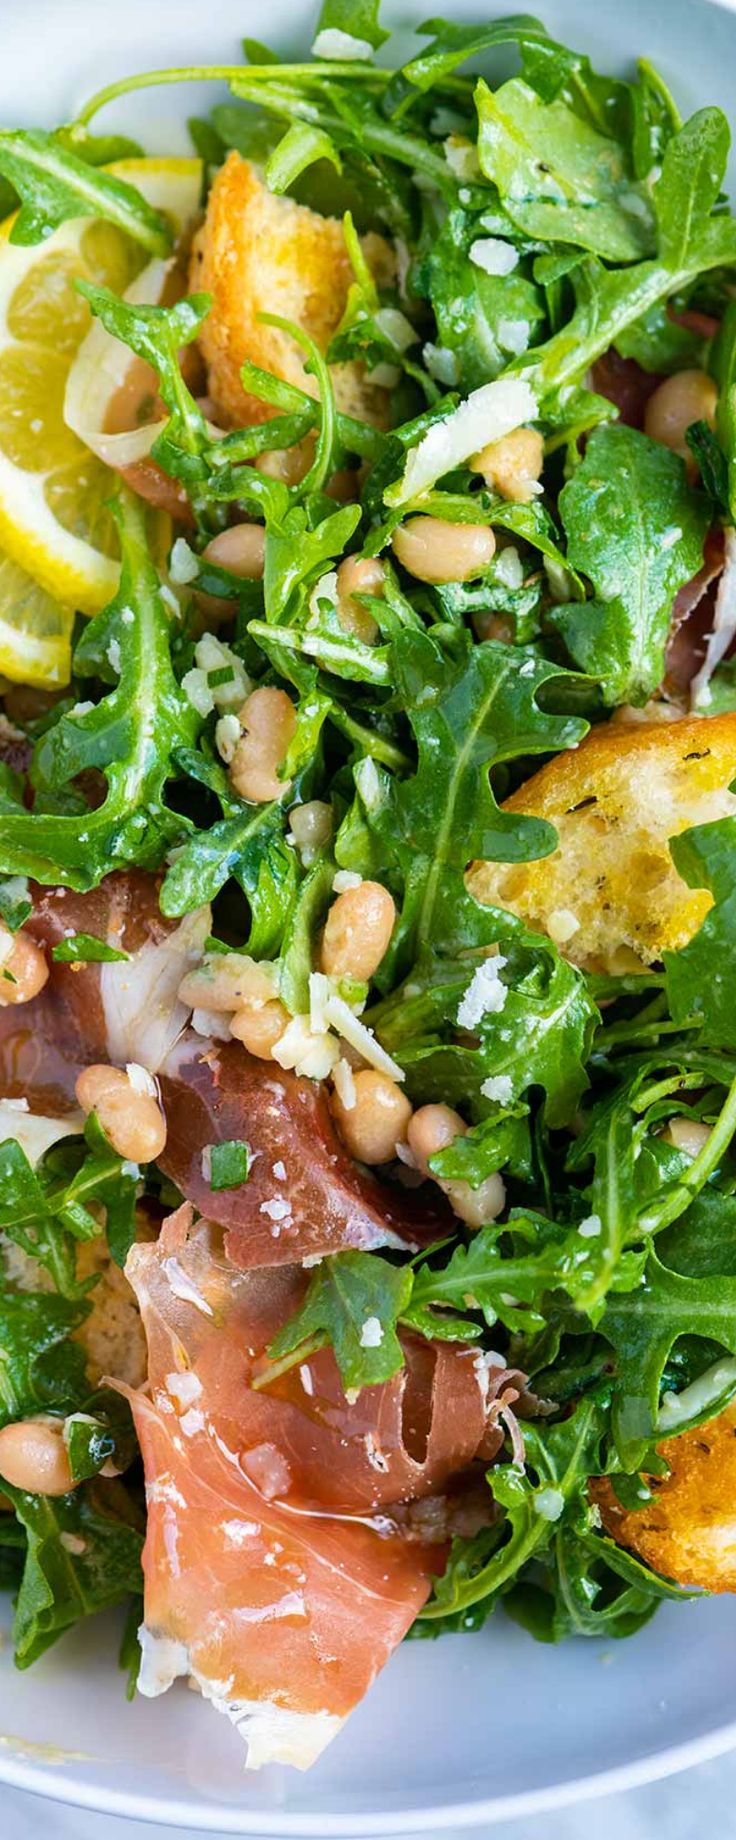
{"points": [[257, 253], [610, 895], [688, 1532]]}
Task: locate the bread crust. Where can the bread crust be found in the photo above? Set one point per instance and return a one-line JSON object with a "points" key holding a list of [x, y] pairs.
{"points": [[610, 894], [688, 1530], [257, 253]]}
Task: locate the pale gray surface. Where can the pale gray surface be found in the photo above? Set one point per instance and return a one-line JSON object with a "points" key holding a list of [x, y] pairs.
{"points": [[701, 1800]]}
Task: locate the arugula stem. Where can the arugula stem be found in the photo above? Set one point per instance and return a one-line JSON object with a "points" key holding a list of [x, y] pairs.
{"points": [[668, 1207], [522, 1543], [227, 73], [369, 740], [275, 1369]]}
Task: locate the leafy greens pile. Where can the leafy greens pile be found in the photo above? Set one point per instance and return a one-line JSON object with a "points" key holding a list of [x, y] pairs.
{"points": [[540, 224]]}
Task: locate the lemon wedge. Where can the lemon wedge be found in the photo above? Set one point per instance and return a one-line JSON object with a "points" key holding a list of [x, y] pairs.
{"points": [[54, 525]]}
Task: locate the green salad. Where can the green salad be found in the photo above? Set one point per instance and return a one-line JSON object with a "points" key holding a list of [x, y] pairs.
{"points": [[365, 619]]}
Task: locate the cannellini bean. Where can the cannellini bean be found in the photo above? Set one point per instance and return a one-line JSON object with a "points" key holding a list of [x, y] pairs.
{"points": [[23, 967], [260, 1026], [359, 575], [268, 718], [430, 1130], [132, 1121], [310, 826], [378, 1120], [689, 396], [241, 549], [357, 932], [33, 1456], [512, 466], [226, 981], [687, 1134], [437, 552]]}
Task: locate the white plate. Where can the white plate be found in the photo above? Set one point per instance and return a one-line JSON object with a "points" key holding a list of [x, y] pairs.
{"points": [[463, 1731]]}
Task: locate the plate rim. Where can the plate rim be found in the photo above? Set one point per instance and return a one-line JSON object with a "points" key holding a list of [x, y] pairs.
{"points": [[224, 1818]]}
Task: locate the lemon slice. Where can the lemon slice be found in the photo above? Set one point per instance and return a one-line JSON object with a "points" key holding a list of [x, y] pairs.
{"points": [[54, 525], [35, 632]]}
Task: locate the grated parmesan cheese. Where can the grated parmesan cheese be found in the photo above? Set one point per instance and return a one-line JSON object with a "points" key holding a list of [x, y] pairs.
{"points": [[487, 414], [486, 993], [500, 1087], [371, 1334], [494, 255]]}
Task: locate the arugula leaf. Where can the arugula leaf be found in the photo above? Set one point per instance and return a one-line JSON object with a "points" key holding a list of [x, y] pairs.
{"points": [[100, 1434], [55, 184], [470, 711], [643, 1325], [636, 529], [86, 948], [46, 1211], [700, 978], [610, 300], [229, 1164], [504, 1272], [723, 365], [685, 194], [83, 1555], [156, 334], [454, 44], [14, 905], [538, 1037], [482, 319], [356, 18], [353, 1301], [40, 1369], [300, 147], [537, 1499], [128, 736], [558, 177]]}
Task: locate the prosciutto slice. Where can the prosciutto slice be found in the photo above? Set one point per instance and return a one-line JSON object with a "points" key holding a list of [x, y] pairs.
{"points": [[276, 1575], [305, 1195]]}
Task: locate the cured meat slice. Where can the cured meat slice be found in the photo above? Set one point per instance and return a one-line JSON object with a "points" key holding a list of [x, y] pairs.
{"points": [[305, 1196], [276, 1576]]}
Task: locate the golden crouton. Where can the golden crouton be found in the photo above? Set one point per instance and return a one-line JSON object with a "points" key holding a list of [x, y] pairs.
{"points": [[258, 253], [688, 1532], [610, 895]]}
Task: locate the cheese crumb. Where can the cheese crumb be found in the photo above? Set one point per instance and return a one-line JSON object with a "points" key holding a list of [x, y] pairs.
{"points": [[441, 363], [486, 993], [499, 1086], [183, 564], [494, 256], [562, 924], [344, 1083], [549, 1503], [344, 880], [371, 1334], [277, 1209], [332, 43], [590, 1228]]}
